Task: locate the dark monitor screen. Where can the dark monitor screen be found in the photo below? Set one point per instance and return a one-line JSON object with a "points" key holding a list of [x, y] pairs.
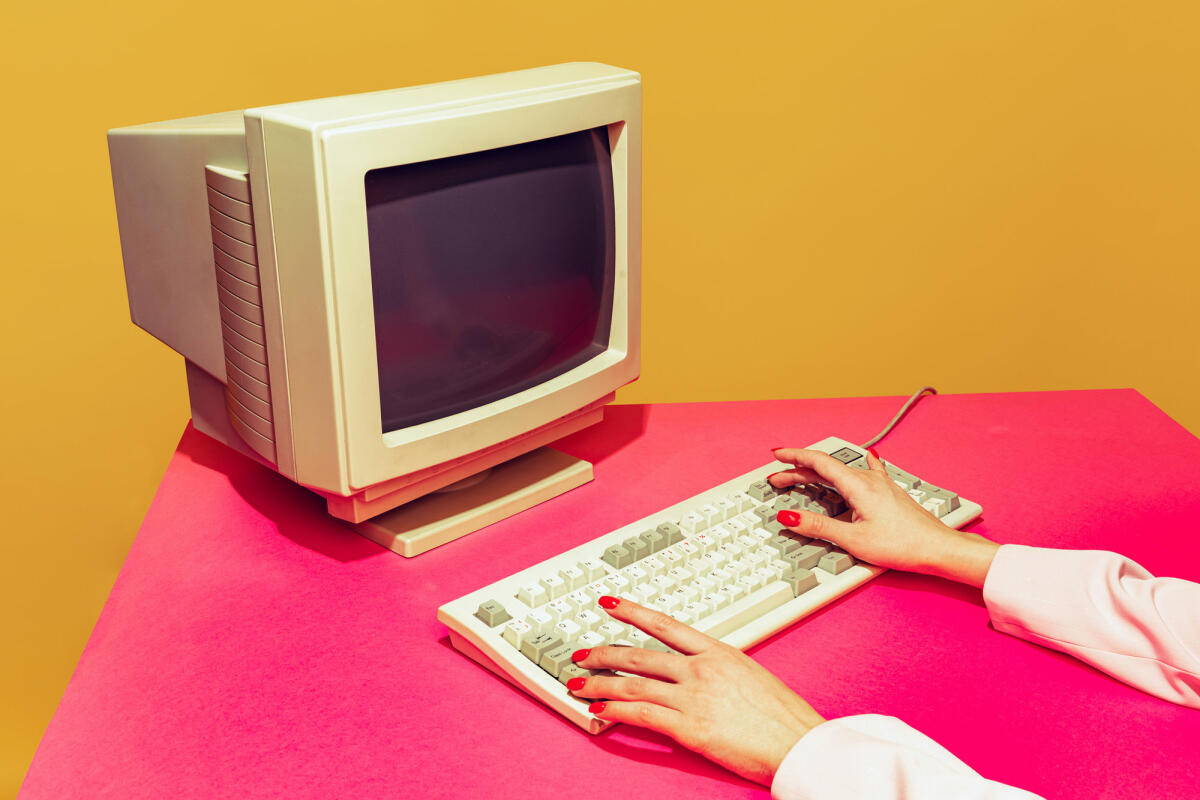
{"points": [[491, 272]]}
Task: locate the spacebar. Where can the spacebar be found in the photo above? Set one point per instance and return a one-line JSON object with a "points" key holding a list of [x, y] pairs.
{"points": [[746, 610]]}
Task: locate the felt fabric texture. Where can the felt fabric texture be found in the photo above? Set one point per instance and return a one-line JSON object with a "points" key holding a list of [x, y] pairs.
{"points": [[254, 647]]}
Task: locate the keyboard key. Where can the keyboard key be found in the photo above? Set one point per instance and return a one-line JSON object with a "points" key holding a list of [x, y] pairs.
{"points": [[581, 598], [617, 557], [653, 566], [554, 660], [800, 581], [491, 613], [733, 591], [671, 557], [613, 630], [783, 544], [635, 575], [760, 491], [730, 529], [573, 670], [745, 609], [568, 630], [539, 645], [836, 563], [750, 581], [671, 531], [666, 603], [644, 592], [588, 620], [556, 587], [785, 501], [561, 609], [681, 575], [515, 631], [590, 639], [617, 583], [664, 583], [903, 479], [729, 507], [693, 522], [774, 527], [539, 621], [533, 594], [806, 557], [948, 501], [593, 569], [573, 577], [637, 547], [687, 594], [656, 540], [743, 501]]}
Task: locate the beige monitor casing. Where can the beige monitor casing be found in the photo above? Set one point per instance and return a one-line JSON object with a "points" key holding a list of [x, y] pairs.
{"points": [[278, 335]]}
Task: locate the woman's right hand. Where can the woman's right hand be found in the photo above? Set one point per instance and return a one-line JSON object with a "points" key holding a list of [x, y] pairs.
{"points": [[888, 527]]}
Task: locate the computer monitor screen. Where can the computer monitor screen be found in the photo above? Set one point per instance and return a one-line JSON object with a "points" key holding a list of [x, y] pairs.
{"points": [[491, 272]]}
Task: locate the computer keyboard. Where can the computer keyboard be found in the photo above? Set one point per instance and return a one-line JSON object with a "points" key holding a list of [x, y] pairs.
{"points": [[718, 561]]}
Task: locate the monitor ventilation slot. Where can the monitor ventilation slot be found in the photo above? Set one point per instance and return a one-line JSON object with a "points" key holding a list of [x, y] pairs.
{"points": [[235, 257]]}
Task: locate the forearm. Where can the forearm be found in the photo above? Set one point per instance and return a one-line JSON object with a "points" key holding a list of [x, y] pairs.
{"points": [[1106, 611]]}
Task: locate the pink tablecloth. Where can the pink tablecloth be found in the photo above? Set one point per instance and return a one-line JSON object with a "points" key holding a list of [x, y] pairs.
{"points": [[253, 647]]}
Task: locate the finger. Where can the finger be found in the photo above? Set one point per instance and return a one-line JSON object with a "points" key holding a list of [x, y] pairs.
{"points": [[816, 526], [637, 660], [646, 715], [635, 688], [670, 632], [792, 477], [874, 461], [847, 481]]}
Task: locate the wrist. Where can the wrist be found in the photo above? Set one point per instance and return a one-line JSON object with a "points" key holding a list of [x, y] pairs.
{"points": [[967, 560]]}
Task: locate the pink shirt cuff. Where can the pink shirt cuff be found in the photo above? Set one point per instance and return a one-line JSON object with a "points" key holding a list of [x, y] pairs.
{"points": [[881, 758], [1106, 611]]}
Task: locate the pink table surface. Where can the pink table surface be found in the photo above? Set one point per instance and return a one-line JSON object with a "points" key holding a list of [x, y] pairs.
{"points": [[252, 647]]}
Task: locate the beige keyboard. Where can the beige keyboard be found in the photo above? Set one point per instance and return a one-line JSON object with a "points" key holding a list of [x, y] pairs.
{"points": [[718, 561]]}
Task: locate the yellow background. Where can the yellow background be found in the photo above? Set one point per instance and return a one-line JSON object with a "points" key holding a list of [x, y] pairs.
{"points": [[840, 199]]}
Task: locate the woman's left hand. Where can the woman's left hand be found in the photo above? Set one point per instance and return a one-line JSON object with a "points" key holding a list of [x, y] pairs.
{"points": [[710, 697]]}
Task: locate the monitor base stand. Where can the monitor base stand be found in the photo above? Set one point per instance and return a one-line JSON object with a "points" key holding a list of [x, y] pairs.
{"points": [[512, 487]]}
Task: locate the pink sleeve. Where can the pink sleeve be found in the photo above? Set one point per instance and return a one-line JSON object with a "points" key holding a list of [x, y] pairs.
{"points": [[880, 758], [1106, 611]]}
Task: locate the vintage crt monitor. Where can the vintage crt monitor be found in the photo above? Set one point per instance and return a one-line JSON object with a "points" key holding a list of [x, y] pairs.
{"points": [[382, 295]]}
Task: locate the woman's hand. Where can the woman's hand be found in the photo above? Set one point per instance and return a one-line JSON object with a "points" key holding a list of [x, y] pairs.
{"points": [[713, 698], [889, 528]]}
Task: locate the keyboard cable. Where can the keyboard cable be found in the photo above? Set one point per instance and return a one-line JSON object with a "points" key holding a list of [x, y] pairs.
{"points": [[912, 401]]}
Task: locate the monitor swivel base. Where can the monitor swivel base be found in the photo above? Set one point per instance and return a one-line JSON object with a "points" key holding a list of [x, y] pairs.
{"points": [[508, 489]]}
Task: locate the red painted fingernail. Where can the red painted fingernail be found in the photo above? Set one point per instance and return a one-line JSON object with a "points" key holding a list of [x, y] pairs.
{"points": [[773, 449], [580, 655], [596, 708], [608, 602], [788, 517], [575, 684], [773, 474], [874, 452]]}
